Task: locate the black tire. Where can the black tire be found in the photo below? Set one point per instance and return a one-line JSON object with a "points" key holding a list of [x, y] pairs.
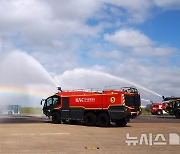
{"points": [[121, 122], [177, 114], [103, 120], [90, 119], [56, 118], [159, 112]]}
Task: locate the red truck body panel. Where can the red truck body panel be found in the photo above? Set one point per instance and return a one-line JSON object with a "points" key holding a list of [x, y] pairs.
{"points": [[94, 100]]}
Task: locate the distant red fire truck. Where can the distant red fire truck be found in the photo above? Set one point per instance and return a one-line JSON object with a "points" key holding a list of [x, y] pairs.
{"points": [[93, 107], [158, 108]]}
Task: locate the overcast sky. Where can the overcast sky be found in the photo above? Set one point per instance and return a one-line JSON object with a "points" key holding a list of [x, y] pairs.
{"points": [[91, 43]]}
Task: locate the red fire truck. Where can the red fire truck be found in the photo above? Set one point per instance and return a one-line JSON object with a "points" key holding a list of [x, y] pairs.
{"points": [[90, 107], [158, 108]]}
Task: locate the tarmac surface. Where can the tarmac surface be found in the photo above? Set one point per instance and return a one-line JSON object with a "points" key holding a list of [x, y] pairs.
{"points": [[36, 134]]}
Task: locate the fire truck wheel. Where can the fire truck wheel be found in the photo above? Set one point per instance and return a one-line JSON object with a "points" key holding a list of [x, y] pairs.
{"points": [[56, 118], [159, 112], [90, 119], [177, 114], [103, 120], [121, 122]]}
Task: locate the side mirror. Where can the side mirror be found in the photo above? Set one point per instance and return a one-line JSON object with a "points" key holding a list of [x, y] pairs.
{"points": [[42, 101]]}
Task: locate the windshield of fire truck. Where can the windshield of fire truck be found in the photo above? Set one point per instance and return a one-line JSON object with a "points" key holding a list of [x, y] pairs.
{"points": [[51, 101]]}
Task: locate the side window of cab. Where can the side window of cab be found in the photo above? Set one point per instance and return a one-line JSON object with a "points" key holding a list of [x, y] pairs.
{"points": [[56, 101], [49, 102]]}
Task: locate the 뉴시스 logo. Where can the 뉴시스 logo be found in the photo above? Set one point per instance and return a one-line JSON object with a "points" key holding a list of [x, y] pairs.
{"points": [[153, 139]]}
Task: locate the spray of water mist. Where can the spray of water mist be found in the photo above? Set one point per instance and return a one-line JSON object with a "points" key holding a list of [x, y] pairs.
{"points": [[139, 86], [84, 78], [23, 79], [89, 76], [146, 100], [132, 83]]}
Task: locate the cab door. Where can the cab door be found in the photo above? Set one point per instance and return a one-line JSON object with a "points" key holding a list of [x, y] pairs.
{"points": [[50, 104], [65, 110]]}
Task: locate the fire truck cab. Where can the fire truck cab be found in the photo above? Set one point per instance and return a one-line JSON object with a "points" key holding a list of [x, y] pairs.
{"points": [[173, 106]]}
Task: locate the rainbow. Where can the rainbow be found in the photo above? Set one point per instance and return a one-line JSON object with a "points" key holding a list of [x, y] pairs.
{"points": [[7, 90]]}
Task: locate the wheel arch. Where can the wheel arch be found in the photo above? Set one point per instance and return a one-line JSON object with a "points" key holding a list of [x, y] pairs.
{"points": [[55, 110]]}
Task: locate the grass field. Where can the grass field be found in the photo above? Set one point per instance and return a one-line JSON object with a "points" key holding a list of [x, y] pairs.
{"points": [[144, 112], [31, 111]]}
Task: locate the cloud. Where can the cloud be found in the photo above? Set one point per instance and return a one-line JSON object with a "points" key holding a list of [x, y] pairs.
{"points": [[73, 10], [46, 18], [112, 55], [167, 4], [134, 5], [57, 61], [129, 38], [135, 11], [39, 25], [20, 15], [155, 51], [138, 11], [136, 42], [5, 45]]}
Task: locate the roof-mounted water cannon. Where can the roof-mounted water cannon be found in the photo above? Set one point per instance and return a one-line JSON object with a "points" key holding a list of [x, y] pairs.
{"points": [[59, 88], [163, 97], [130, 89], [170, 98]]}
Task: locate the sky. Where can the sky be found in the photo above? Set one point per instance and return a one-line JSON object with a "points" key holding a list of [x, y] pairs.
{"points": [[88, 44]]}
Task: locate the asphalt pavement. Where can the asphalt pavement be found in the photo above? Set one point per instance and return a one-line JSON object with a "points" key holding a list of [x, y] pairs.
{"points": [[36, 134]]}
